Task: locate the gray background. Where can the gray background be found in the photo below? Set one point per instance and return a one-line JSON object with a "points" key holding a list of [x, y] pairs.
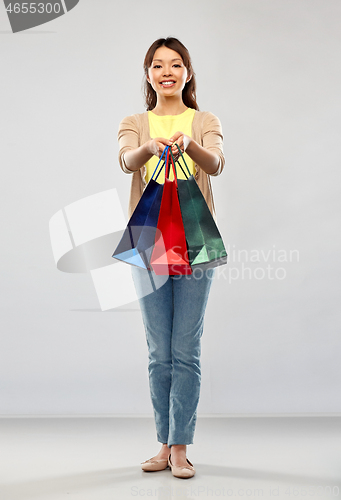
{"points": [[269, 69]]}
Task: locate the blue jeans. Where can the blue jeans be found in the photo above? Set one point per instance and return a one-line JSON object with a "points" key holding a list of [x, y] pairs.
{"points": [[173, 317]]}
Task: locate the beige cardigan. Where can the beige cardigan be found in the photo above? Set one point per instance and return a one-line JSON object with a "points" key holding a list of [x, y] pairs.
{"points": [[206, 131]]}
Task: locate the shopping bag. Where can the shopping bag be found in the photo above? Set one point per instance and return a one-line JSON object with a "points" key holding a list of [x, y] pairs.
{"points": [[204, 242], [145, 244], [169, 255], [139, 235]]}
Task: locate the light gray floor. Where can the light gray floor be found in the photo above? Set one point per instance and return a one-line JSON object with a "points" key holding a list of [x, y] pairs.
{"points": [[99, 459]]}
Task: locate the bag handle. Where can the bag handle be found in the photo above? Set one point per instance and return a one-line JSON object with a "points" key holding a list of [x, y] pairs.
{"points": [[173, 167], [183, 159], [177, 162], [173, 161], [166, 148]]}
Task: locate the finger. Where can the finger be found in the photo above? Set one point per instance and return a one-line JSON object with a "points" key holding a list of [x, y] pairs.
{"points": [[176, 136], [161, 148], [180, 143], [162, 140], [175, 151], [176, 154]]}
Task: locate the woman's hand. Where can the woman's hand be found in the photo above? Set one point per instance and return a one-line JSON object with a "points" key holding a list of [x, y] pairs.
{"points": [[135, 158], [182, 140], [157, 146]]}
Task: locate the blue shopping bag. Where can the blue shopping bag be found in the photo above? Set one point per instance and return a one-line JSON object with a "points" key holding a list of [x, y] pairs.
{"points": [[137, 242]]}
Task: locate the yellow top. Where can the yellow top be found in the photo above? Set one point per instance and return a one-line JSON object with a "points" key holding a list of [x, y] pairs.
{"points": [[166, 126]]}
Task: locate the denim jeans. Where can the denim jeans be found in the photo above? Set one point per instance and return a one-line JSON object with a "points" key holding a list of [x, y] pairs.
{"points": [[173, 317]]}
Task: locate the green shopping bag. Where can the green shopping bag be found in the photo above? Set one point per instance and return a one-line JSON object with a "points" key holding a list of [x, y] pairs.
{"points": [[204, 242]]}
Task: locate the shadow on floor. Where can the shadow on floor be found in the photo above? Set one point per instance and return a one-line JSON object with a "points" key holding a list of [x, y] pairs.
{"points": [[97, 482]]}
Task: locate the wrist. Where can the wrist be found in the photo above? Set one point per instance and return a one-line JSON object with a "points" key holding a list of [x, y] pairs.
{"points": [[148, 147], [188, 143]]}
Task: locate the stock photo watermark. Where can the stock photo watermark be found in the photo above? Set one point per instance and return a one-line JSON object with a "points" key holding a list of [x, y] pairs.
{"points": [[84, 238], [257, 264], [24, 15], [296, 491], [248, 264]]}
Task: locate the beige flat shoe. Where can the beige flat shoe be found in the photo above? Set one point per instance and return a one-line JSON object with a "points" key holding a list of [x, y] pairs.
{"points": [[154, 465], [183, 472]]}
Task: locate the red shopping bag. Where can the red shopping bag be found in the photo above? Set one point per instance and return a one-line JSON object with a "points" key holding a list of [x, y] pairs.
{"points": [[169, 255]]}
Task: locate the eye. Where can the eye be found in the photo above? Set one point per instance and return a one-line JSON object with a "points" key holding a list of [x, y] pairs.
{"points": [[157, 66], [177, 65]]}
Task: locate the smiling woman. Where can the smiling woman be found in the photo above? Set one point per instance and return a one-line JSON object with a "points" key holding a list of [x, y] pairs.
{"points": [[173, 315], [167, 72], [160, 62]]}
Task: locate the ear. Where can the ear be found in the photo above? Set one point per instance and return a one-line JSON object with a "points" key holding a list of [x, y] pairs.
{"points": [[189, 78]]}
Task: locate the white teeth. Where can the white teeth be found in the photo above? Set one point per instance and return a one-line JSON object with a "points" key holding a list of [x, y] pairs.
{"points": [[167, 83]]}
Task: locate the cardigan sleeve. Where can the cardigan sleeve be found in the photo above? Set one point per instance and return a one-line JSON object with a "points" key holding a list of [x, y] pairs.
{"points": [[213, 139], [128, 138]]}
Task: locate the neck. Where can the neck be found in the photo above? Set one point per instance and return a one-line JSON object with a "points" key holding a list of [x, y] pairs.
{"points": [[169, 106]]}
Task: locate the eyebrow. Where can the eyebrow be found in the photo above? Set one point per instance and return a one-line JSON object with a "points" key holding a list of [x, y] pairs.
{"points": [[176, 59]]}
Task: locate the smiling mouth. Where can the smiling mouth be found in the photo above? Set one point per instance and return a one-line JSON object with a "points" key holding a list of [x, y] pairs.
{"points": [[168, 83]]}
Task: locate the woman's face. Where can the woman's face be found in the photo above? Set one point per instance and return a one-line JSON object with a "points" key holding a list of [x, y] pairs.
{"points": [[168, 74]]}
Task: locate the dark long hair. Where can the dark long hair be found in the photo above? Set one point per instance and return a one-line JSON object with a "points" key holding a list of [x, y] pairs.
{"points": [[189, 90]]}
